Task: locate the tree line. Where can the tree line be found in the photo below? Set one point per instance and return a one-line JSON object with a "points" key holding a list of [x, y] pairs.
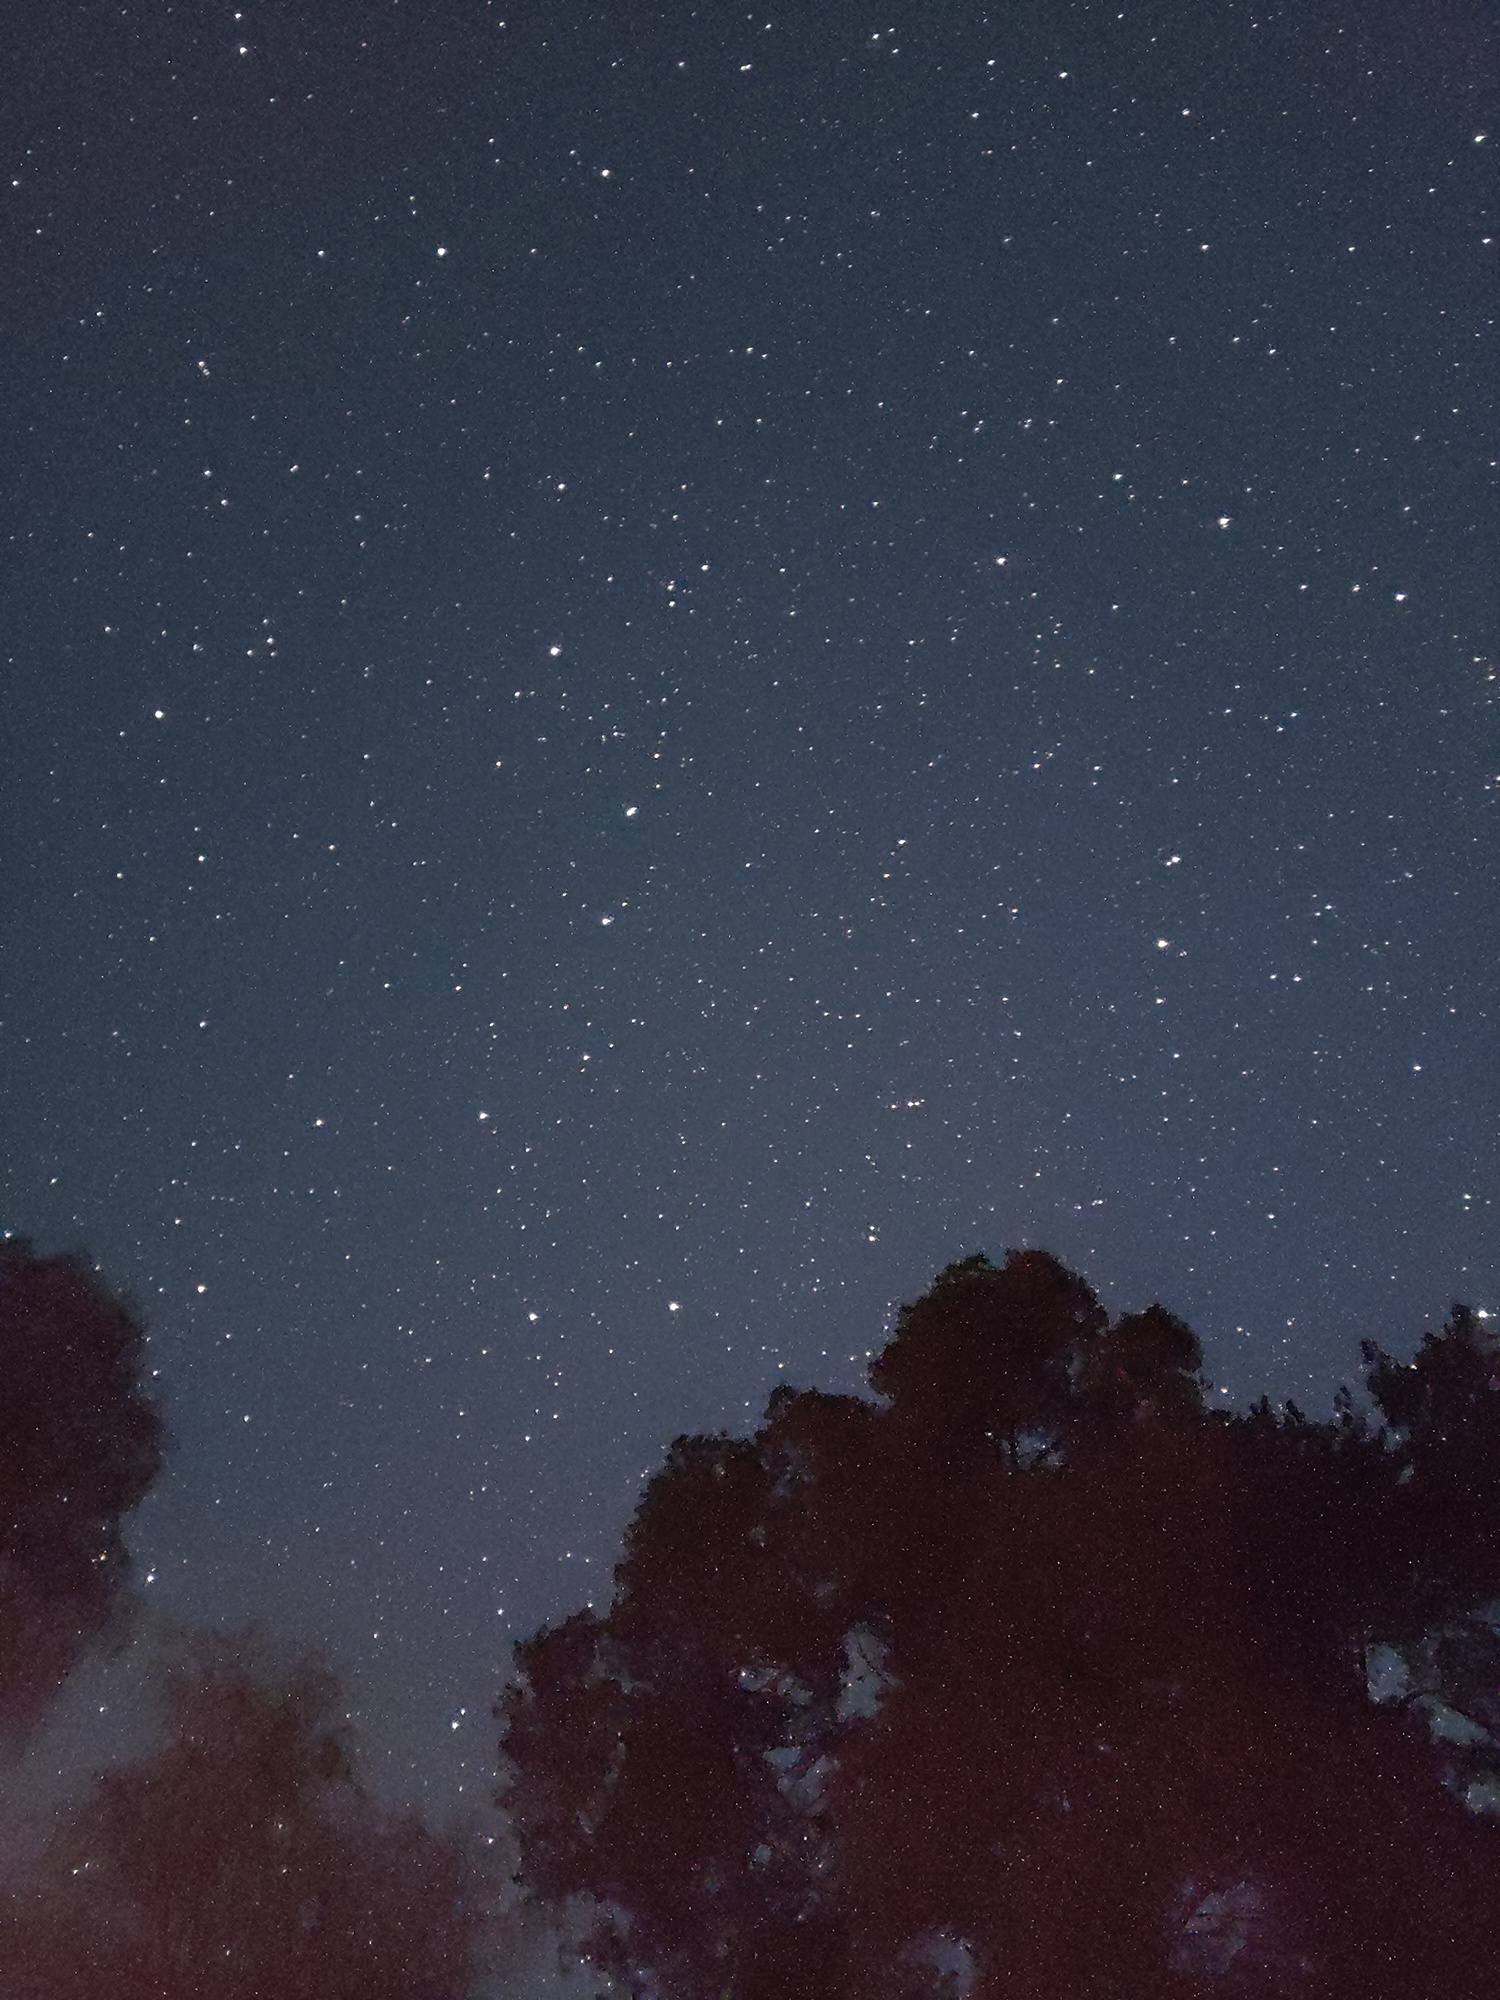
{"points": [[1031, 1674]]}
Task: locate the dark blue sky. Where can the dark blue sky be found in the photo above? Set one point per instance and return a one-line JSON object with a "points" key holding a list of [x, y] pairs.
{"points": [[666, 667]]}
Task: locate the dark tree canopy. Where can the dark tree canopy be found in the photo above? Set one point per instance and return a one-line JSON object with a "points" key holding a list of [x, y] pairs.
{"points": [[1037, 1678], [1441, 1412], [241, 1861], [989, 1354], [80, 1444]]}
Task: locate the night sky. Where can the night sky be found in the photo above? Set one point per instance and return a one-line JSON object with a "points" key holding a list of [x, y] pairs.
{"points": [[663, 668]]}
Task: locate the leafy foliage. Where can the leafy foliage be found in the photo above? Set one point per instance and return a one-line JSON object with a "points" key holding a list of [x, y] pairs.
{"points": [[1036, 1678], [80, 1444], [238, 1861]]}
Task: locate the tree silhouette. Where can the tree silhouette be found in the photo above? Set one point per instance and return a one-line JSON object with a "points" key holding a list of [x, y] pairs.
{"points": [[79, 1446], [1036, 1679], [241, 1861], [1443, 1410], [988, 1358]]}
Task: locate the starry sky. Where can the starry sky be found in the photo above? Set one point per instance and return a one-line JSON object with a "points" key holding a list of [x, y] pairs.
{"points": [[665, 666]]}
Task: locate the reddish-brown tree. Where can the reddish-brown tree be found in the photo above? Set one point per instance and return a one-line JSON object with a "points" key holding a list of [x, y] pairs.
{"points": [[1036, 1679], [241, 1861]]}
